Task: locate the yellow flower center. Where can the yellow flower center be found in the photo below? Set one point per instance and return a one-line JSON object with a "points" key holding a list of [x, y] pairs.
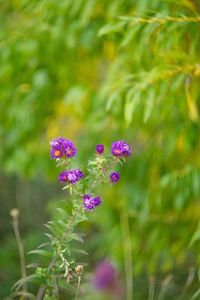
{"points": [[57, 153]]}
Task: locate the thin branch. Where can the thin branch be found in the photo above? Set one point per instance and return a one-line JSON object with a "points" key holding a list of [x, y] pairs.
{"points": [[15, 214], [40, 293], [164, 287], [188, 283], [161, 20], [78, 287], [151, 288], [127, 251]]}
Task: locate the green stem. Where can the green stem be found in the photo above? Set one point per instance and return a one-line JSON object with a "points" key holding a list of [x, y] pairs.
{"points": [[127, 252], [14, 214], [71, 224], [78, 287], [151, 288]]}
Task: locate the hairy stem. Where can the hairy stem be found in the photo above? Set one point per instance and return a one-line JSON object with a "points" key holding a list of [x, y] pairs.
{"points": [[71, 224], [69, 227]]}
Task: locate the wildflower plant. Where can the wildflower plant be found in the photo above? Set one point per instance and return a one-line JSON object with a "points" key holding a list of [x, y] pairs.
{"points": [[59, 269]]}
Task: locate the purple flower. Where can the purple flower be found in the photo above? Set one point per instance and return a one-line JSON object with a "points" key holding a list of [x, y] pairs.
{"points": [[120, 148], [90, 202], [87, 202], [114, 177], [97, 201], [62, 147], [70, 176], [105, 276], [99, 148]]}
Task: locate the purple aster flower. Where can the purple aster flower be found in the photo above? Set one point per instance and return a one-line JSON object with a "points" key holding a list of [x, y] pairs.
{"points": [[105, 276], [114, 177], [99, 148], [71, 176], [62, 147], [120, 148], [63, 176], [97, 201], [87, 202], [90, 202]]}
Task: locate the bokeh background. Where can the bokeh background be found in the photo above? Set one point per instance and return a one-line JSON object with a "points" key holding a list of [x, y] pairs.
{"points": [[97, 71]]}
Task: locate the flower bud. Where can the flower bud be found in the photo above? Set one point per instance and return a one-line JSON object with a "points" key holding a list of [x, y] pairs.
{"points": [[14, 213], [99, 148], [79, 270]]}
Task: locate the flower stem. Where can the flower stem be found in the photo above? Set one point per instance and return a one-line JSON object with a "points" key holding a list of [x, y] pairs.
{"points": [[78, 287], [14, 214], [127, 251], [151, 288], [70, 225]]}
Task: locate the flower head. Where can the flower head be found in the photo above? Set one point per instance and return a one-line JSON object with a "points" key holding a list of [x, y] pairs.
{"points": [[99, 148], [114, 177], [90, 202], [70, 176], [105, 275], [97, 201], [62, 147], [120, 148]]}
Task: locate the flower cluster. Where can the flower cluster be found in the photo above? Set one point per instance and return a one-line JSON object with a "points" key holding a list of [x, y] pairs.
{"points": [[62, 149], [119, 149], [70, 176], [62, 267]]}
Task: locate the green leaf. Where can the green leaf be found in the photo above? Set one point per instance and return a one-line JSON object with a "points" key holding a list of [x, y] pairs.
{"points": [[54, 229], [196, 235], [21, 282], [75, 236], [149, 102], [63, 213], [41, 253], [43, 245], [79, 251], [50, 236], [132, 100], [23, 295], [111, 28], [33, 266]]}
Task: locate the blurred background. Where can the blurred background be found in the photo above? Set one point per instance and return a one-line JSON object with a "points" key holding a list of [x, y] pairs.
{"points": [[93, 72]]}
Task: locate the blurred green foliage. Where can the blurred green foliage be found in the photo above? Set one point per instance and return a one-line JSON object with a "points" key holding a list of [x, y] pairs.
{"points": [[95, 71]]}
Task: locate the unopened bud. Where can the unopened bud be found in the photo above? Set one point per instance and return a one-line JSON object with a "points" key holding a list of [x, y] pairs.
{"points": [[14, 213], [79, 270]]}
